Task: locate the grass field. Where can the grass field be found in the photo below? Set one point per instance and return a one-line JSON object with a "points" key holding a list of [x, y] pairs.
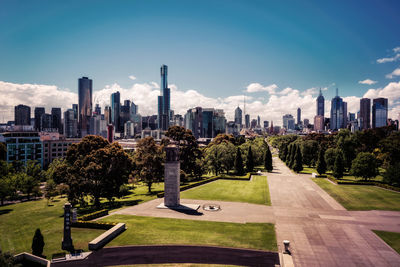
{"points": [[151, 231], [18, 223], [392, 239], [361, 197], [255, 191]]}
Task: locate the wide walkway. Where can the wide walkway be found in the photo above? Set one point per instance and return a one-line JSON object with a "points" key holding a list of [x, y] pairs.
{"points": [[321, 231]]}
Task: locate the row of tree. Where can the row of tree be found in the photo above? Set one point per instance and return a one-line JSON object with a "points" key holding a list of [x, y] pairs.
{"points": [[361, 153]]}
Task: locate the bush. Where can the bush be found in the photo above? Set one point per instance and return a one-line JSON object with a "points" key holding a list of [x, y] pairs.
{"points": [[364, 166], [392, 175], [93, 215], [124, 190], [94, 225]]}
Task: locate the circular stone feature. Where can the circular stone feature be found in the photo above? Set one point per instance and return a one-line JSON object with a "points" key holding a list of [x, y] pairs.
{"points": [[211, 207]]}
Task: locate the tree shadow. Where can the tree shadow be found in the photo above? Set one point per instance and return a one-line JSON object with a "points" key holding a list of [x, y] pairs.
{"points": [[5, 211]]}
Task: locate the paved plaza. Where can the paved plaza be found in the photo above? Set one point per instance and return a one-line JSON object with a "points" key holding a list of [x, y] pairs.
{"points": [[320, 230]]}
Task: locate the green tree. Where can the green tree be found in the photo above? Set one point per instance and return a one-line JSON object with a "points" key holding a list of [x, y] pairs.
{"points": [[321, 164], [96, 168], [7, 260], [50, 190], [283, 151], [26, 184], [391, 147], [37, 243], [34, 169], [392, 175], [268, 160], [148, 162], [338, 167], [309, 151], [57, 170], [298, 162], [364, 166], [330, 156], [347, 143], [293, 156], [189, 151], [250, 161], [239, 168]]}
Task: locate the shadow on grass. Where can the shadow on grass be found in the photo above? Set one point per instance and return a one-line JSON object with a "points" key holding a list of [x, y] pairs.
{"points": [[5, 211]]}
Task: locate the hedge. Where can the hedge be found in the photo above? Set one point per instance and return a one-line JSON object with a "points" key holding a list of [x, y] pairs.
{"points": [[93, 225], [373, 183], [93, 215]]}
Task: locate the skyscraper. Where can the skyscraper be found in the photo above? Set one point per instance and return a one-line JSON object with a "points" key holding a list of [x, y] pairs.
{"points": [[379, 112], [208, 114], [320, 104], [39, 111], [115, 104], [247, 121], [70, 124], [85, 105], [338, 118], [238, 116], [164, 100], [365, 113], [97, 109], [298, 116], [56, 119], [194, 121], [288, 122], [22, 115]]}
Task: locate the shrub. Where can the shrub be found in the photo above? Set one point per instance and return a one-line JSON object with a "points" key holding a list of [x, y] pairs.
{"points": [[93, 215]]}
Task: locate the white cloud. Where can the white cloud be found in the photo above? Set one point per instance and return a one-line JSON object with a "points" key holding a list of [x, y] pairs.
{"points": [[396, 49], [391, 92], [394, 73], [388, 59], [367, 81], [132, 77], [310, 91], [257, 87]]}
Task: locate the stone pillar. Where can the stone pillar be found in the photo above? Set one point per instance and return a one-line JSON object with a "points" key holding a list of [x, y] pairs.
{"points": [[67, 240], [172, 177]]}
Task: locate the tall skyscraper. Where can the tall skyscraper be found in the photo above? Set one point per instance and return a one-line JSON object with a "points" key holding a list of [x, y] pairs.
{"points": [[56, 119], [320, 104], [39, 111], [338, 118], [319, 124], [258, 121], [75, 109], [46, 120], [238, 116], [85, 105], [247, 121], [379, 112], [107, 114], [22, 115], [208, 114], [298, 116], [365, 113], [125, 112], [115, 104], [164, 100], [194, 121], [70, 124], [97, 109]]}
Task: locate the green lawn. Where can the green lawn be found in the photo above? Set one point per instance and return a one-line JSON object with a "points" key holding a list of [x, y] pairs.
{"points": [[255, 191], [392, 239], [152, 231], [18, 223], [361, 197]]}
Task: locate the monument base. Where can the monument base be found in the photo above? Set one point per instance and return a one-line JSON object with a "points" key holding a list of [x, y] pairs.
{"points": [[186, 207]]}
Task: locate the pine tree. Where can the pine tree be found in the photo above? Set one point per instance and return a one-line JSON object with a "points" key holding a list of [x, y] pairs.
{"points": [[292, 156], [250, 161], [338, 168], [289, 151], [298, 161], [239, 162], [268, 160], [37, 243], [321, 164], [284, 153]]}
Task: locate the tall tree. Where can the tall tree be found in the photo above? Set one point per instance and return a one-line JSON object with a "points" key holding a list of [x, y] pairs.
{"points": [[338, 167], [250, 161], [364, 166], [392, 175], [321, 164], [268, 160], [37, 243], [189, 150], [239, 168], [330, 156], [309, 151], [298, 162], [148, 161], [27, 184]]}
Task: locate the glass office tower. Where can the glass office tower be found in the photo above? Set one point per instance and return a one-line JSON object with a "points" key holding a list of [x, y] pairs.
{"points": [[85, 105]]}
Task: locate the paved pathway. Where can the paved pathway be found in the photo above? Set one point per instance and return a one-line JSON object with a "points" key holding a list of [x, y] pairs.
{"points": [[321, 231]]}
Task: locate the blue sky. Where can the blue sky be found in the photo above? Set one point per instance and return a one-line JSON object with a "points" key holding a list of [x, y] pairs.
{"points": [[217, 48]]}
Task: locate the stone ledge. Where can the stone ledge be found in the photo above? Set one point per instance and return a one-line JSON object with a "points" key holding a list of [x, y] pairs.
{"points": [[106, 237]]}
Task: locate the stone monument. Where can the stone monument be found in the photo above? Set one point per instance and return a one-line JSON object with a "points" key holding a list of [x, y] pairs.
{"points": [[67, 240], [172, 181]]}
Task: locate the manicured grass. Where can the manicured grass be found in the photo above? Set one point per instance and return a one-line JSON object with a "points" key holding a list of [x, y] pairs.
{"points": [[18, 223], [255, 191], [152, 231], [392, 239], [361, 197]]}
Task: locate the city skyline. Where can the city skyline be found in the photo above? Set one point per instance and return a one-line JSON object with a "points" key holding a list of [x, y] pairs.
{"points": [[270, 52]]}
